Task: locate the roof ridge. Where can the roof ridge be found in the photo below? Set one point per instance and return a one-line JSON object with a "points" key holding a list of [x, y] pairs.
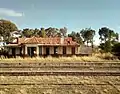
{"points": [[48, 40]]}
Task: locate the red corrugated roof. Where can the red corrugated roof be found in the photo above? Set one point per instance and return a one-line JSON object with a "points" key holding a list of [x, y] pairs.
{"points": [[47, 41]]}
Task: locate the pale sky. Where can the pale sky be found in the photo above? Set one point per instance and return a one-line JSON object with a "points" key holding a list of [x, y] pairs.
{"points": [[73, 14]]}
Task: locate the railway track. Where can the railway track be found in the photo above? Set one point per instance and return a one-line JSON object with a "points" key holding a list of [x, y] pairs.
{"points": [[24, 84], [8, 65], [60, 73], [10, 71], [63, 69], [59, 86]]}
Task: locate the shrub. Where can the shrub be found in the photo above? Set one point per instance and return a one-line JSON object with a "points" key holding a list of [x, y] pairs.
{"points": [[116, 49]]}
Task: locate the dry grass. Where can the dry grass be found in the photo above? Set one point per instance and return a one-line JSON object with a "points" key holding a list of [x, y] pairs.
{"points": [[60, 79], [45, 88], [104, 55], [94, 57]]}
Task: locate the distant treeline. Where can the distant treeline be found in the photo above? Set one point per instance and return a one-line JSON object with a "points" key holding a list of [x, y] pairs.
{"points": [[108, 38]]}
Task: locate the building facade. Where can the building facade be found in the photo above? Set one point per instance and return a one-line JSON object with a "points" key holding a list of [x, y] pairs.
{"points": [[30, 47]]}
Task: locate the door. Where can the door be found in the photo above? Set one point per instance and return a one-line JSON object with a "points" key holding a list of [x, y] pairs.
{"points": [[73, 50], [31, 51], [21, 51], [40, 50], [64, 50], [47, 51], [55, 50], [14, 52]]}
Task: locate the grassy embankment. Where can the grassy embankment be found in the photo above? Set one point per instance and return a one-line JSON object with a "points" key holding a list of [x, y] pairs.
{"points": [[94, 57], [42, 84]]}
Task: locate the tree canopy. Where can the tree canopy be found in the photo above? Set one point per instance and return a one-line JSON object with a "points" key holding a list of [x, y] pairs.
{"points": [[28, 32], [108, 38], [76, 37], [116, 49], [6, 27], [88, 35]]}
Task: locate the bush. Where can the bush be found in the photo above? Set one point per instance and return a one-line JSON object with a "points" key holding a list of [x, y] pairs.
{"points": [[116, 49]]}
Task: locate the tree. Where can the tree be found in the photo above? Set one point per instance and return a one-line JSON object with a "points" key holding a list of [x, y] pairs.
{"points": [[43, 33], [108, 37], [73, 35], [51, 32], [116, 49], [36, 32], [103, 32], [6, 27], [88, 35], [28, 32], [76, 37], [63, 31]]}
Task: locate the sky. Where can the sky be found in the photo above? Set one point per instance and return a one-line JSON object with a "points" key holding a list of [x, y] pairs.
{"points": [[73, 14]]}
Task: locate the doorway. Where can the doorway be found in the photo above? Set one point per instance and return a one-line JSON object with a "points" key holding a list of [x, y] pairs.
{"points": [[47, 51], [64, 50], [73, 50], [31, 51], [55, 50], [14, 52]]}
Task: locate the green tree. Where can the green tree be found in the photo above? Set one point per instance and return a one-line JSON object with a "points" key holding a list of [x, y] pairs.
{"points": [[27, 32], [88, 35], [6, 27], [104, 33], [73, 35], [116, 49], [108, 37], [51, 32], [76, 37], [63, 32], [43, 33], [36, 32]]}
